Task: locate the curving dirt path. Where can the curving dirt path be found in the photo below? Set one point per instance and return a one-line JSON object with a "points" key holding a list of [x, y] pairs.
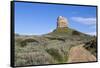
{"points": [[80, 54]]}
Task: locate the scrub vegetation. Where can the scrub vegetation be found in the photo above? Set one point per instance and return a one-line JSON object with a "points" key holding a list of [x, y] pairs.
{"points": [[51, 48]]}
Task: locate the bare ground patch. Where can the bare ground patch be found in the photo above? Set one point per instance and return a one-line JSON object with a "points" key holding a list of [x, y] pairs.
{"points": [[80, 54]]}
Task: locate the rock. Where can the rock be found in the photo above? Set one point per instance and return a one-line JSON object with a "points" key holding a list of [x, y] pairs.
{"points": [[62, 22]]}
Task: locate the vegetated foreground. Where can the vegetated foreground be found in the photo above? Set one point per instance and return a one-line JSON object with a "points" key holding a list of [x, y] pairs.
{"points": [[63, 45]]}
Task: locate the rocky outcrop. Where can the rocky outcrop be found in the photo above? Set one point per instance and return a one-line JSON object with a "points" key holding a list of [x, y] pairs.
{"points": [[62, 22]]}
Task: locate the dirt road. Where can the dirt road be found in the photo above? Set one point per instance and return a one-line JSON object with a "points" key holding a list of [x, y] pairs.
{"points": [[80, 54]]}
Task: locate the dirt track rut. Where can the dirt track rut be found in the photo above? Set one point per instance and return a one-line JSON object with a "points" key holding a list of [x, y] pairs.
{"points": [[80, 54]]}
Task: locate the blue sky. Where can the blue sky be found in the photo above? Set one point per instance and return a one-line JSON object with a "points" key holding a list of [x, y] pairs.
{"points": [[37, 19]]}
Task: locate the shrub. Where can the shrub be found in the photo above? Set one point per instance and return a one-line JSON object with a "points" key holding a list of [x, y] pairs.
{"points": [[24, 42], [55, 54], [18, 40], [33, 58], [91, 46], [20, 62], [75, 33], [56, 38]]}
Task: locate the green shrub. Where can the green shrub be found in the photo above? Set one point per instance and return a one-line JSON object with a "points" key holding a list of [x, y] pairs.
{"points": [[75, 33], [33, 58], [91, 46], [55, 54], [24, 42], [56, 38], [18, 40]]}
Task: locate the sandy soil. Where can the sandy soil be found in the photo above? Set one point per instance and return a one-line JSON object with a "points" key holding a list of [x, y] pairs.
{"points": [[80, 54]]}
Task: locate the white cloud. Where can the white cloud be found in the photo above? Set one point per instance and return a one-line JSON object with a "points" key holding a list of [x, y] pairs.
{"points": [[92, 33], [83, 20]]}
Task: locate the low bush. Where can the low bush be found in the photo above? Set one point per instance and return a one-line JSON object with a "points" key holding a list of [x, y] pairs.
{"points": [[55, 54], [24, 42], [75, 33], [91, 46], [33, 58]]}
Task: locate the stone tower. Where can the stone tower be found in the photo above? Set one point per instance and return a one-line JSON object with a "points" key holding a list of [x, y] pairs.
{"points": [[62, 22]]}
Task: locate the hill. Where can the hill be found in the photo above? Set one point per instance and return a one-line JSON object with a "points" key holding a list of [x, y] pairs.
{"points": [[51, 48], [67, 33]]}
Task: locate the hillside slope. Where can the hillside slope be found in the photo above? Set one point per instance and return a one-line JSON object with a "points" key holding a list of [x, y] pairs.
{"points": [[59, 46], [69, 34]]}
